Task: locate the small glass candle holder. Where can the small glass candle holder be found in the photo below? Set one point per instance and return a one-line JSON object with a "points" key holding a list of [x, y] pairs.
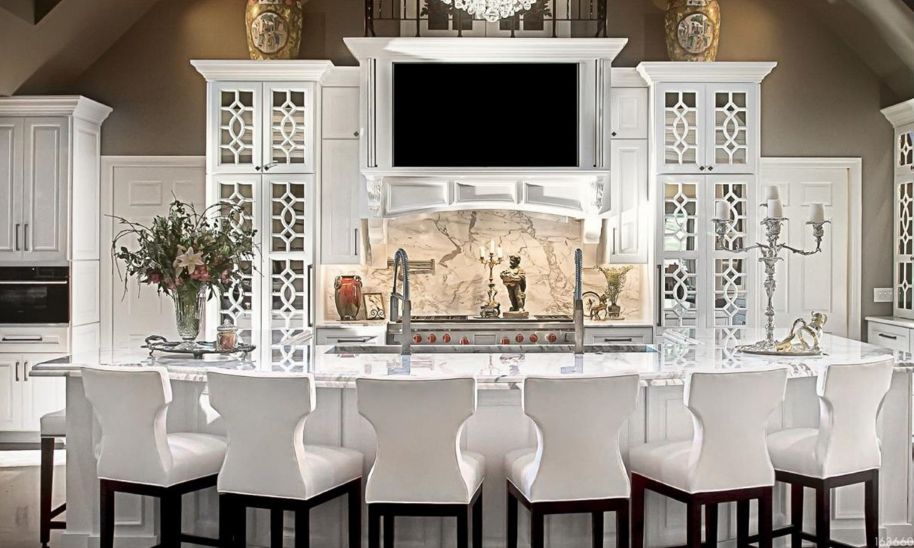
{"points": [[226, 336]]}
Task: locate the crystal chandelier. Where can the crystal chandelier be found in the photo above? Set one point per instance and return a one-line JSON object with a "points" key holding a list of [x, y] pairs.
{"points": [[492, 10]]}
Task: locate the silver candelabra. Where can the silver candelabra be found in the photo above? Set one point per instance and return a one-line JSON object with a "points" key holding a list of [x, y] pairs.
{"points": [[770, 255]]}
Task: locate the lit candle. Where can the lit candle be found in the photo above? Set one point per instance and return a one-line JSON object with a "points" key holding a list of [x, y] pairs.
{"points": [[772, 193], [775, 211], [722, 211], [817, 213]]}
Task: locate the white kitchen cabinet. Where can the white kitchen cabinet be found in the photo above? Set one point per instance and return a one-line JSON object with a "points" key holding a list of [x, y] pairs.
{"points": [[340, 195], [340, 113], [904, 150], [901, 116], [350, 334], [618, 335], [24, 398], [628, 113], [698, 283], [894, 333], [627, 234]]}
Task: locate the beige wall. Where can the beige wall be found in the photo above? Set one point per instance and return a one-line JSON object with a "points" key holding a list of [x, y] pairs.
{"points": [[822, 100]]}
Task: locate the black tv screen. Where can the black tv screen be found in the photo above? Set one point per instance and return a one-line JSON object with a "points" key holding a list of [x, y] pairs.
{"points": [[485, 115]]}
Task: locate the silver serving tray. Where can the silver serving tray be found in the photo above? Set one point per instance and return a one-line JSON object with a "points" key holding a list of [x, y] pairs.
{"points": [[158, 343]]}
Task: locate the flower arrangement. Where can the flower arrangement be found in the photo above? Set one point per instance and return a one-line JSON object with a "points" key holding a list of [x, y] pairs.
{"points": [[615, 281], [188, 255]]}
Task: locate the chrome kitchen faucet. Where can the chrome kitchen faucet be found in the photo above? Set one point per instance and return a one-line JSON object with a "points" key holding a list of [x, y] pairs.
{"points": [[578, 303], [396, 314]]}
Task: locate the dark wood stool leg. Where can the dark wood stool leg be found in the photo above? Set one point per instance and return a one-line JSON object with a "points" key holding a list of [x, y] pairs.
{"points": [[596, 524], [693, 524], [742, 523], [537, 529], [711, 524], [823, 516], [389, 528], [276, 527], [302, 528], [106, 514], [765, 518], [796, 515], [240, 513], [355, 515], [225, 521], [637, 528], [477, 522], [171, 520], [622, 526], [374, 527], [511, 518], [463, 528], [46, 488], [871, 495]]}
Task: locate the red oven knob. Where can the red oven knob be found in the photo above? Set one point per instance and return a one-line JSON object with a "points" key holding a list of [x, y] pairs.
{"points": [[505, 340], [432, 338], [519, 338], [534, 338], [417, 339], [551, 337], [464, 340], [446, 338]]}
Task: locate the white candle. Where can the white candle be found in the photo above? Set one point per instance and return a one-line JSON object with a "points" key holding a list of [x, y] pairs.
{"points": [[499, 252], [775, 211], [722, 211], [773, 193], [482, 252], [816, 213], [492, 247]]}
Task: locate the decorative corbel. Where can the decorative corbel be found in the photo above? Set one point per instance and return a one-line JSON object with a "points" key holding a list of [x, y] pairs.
{"points": [[377, 225]]}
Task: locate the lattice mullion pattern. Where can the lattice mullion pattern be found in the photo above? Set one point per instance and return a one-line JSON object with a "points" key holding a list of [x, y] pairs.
{"points": [[236, 304], [288, 126], [680, 252], [288, 306], [731, 271], [904, 252], [731, 143], [289, 218], [236, 126], [906, 148], [681, 127]]}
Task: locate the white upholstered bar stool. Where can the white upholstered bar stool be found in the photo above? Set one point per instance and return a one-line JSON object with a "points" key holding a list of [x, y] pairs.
{"points": [[843, 450], [576, 466], [53, 427], [136, 455], [420, 468], [725, 461], [268, 465]]}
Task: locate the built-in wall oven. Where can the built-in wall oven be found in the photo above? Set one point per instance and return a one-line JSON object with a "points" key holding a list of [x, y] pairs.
{"points": [[34, 295]]}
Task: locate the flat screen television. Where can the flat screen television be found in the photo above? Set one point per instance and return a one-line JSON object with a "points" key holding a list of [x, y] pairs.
{"points": [[485, 115]]}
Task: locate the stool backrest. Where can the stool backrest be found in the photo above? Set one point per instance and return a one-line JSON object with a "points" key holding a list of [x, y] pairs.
{"points": [[850, 396], [730, 411], [264, 417], [577, 425], [131, 404], [418, 424]]}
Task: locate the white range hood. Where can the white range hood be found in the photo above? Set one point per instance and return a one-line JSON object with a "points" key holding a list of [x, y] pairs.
{"points": [[580, 193]]}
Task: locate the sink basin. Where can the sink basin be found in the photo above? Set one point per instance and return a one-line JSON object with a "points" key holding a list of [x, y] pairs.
{"points": [[489, 349]]}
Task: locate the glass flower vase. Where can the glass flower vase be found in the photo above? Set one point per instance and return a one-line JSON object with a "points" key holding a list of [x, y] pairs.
{"points": [[188, 312]]}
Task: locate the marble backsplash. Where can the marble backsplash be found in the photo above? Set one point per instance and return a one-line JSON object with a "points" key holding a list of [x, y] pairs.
{"points": [[545, 243]]}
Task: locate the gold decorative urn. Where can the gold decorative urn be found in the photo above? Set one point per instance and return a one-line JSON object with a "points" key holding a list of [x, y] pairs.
{"points": [[273, 28], [692, 30]]}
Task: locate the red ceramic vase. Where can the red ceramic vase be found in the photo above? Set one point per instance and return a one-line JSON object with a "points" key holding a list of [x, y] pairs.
{"points": [[348, 296]]}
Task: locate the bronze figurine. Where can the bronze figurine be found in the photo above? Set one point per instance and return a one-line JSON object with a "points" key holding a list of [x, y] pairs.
{"points": [[515, 280]]}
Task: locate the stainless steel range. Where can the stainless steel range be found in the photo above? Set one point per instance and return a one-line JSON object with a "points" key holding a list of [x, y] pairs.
{"points": [[456, 329]]}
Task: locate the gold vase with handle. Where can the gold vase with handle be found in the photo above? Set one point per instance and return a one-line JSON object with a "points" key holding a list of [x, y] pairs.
{"points": [[273, 28]]}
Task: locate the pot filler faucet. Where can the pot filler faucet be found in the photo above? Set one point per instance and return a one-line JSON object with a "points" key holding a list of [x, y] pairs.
{"points": [[403, 315], [578, 303]]}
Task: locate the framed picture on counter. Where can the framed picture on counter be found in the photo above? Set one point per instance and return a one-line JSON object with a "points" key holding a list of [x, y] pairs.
{"points": [[374, 306]]}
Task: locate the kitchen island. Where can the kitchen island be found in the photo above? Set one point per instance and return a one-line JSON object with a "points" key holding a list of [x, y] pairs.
{"points": [[498, 427]]}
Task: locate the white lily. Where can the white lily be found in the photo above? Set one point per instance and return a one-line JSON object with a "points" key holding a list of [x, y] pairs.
{"points": [[187, 259]]}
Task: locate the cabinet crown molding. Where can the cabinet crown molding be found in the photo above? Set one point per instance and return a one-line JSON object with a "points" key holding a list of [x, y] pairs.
{"points": [[55, 105], [485, 49], [247, 70], [900, 114], [656, 72]]}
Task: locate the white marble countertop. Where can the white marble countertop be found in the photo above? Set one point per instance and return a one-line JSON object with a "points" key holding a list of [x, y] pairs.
{"points": [[679, 352], [891, 320]]}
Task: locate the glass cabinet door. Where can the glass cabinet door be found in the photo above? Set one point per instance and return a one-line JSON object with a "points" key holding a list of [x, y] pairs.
{"points": [[681, 234], [731, 271], [904, 247], [681, 130], [235, 118], [288, 127], [904, 150], [731, 126]]}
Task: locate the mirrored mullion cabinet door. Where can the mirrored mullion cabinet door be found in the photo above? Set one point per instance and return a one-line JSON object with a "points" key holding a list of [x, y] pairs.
{"points": [[680, 128], [288, 267], [904, 247], [241, 304], [288, 114], [731, 142], [679, 254], [235, 127], [731, 273], [904, 150]]}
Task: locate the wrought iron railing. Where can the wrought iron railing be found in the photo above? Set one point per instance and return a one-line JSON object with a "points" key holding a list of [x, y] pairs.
{"points": [[435, 18]]}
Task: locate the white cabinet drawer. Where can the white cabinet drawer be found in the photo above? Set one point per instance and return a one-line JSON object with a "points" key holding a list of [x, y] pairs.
{"points": [[618, 335], [889, 336], [350, 335]]}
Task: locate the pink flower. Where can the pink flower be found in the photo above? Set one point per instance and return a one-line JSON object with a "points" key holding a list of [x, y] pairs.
{"points": [[200, 274], [225, 276], [153, 277]]}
